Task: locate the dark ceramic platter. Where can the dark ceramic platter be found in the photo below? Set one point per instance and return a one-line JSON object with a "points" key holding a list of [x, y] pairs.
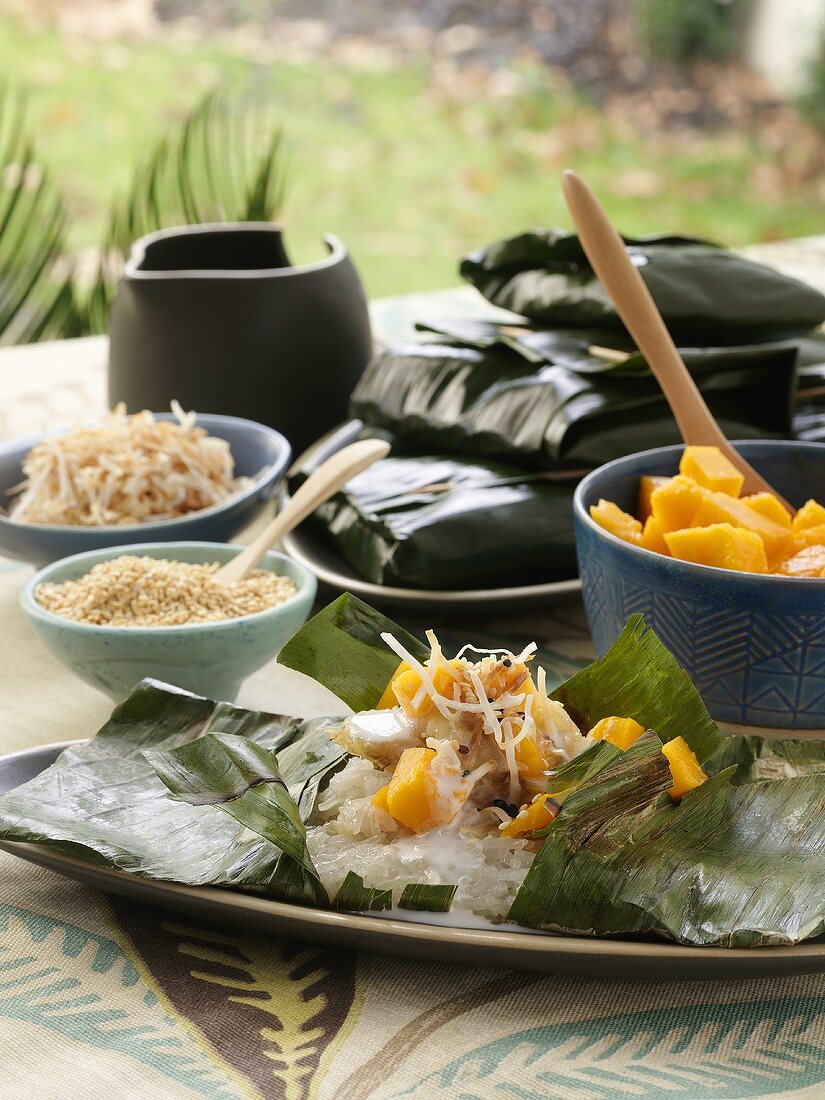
{"points": [[334, 574], [478, 946]]}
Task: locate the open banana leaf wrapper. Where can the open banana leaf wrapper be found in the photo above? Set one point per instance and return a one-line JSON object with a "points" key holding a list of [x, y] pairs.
{"points": [[449, 522], [542, 399], [705, 293], [178, 788]]}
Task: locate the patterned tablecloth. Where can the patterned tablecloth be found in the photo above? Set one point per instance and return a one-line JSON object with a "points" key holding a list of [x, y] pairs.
{"points": [[104, 998]]}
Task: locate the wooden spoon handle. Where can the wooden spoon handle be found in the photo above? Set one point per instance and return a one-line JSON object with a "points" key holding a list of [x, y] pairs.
{"points": [[609, 258], [318, 487]]}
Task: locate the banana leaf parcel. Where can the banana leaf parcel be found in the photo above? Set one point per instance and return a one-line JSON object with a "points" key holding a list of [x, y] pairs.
{"points": [[541, 399], [705, 293], [178, 788], [448, 522]]}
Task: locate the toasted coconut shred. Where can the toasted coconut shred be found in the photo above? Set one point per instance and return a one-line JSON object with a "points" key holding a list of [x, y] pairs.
{"points": [[130, 469]]}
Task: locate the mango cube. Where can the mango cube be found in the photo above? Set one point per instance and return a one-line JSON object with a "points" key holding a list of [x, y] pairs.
{"points": [[809, 562], [719, 508], [407, 683], [712, 469], [412, 795], [721, 545], [676, 502], [647, 483], [541, 812], [685, 769], [621, 732], [804, 537], [653, 536], [769, 506], [618, 523], [388, 699], [530, 758], [810, 514], [379, 799]]}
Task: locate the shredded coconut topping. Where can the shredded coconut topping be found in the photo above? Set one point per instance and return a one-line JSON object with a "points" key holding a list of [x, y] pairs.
{"points": [[130, 469]]}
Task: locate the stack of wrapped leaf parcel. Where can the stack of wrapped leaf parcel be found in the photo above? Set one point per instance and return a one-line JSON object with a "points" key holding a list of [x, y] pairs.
{"points": [[493, 424]]}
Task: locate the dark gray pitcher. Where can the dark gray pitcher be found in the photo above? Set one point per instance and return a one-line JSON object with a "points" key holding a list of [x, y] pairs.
{"points": [[217, 317]]}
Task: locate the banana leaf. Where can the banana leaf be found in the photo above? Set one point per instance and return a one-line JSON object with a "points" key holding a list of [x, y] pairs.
{"points": [[638, 678], [354, 896], [427, 898], [103, 801], [243, 779], [401, 521], [705, 293], [730, 866], [341, 647], [569, 410], [758, 758]]}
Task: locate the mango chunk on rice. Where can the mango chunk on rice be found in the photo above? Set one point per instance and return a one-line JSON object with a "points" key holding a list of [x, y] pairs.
{"points": [[618, 523], [647, 483], [530, 759], [541, 812], [388, 699], [809, 562], [719, 508], [685, 769], [407, 683], [379, 799], [721, 545], [811, 514], [769, 506], [621, 732], [412, 795], [676, 502], [653, 536], [711, 469]]}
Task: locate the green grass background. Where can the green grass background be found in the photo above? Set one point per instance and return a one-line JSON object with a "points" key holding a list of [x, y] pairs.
{"points": [[409, 173]]}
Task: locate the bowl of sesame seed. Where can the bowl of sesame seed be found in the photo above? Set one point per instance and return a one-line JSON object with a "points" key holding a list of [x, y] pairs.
{"points": [[118, 615]]}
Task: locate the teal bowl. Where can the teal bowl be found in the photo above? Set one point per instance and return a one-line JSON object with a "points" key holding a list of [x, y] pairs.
{"points": [[210, 659]]}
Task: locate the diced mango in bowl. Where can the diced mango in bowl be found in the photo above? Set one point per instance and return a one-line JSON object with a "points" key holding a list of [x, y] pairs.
{"points": [[699, 516], [719, 544]]}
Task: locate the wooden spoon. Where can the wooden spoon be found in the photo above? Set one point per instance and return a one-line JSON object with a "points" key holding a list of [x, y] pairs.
{"points": [[318, 487], [609, 258]]}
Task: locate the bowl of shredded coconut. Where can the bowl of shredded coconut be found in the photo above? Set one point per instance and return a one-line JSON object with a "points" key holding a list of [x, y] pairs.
{"points": [[118, 615], [140, 477]]}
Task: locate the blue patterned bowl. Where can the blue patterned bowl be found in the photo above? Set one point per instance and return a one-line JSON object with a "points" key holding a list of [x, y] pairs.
{"points": [[754, 646], [260, 453], [211, 659]]}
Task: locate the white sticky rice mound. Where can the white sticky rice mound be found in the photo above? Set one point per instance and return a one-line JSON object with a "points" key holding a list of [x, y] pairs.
{"points": [[347, 833]]}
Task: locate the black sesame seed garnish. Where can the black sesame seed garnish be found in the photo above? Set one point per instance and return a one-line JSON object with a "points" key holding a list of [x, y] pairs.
{"points": [[507, 662], [508, 807], [464, 774], [463, 749]]}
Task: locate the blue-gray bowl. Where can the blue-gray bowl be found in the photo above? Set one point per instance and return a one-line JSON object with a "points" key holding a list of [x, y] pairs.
{"points": [[753, 645], [259, 452], [211, 659]]}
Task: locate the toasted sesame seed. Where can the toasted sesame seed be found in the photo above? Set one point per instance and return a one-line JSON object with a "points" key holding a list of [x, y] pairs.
{"points": [[140, 591]]}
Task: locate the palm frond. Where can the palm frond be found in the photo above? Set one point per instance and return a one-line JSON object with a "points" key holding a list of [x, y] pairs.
{"points": [[36, 296], [222, 162]]}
